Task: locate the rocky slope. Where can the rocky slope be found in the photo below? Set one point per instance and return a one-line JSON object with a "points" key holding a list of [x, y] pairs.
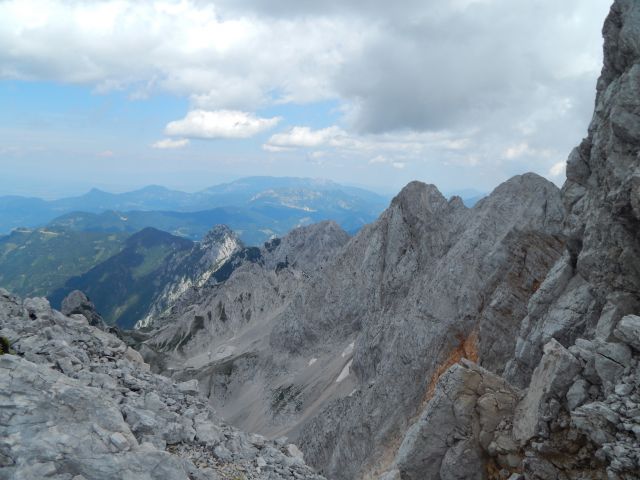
{"points": [[194, 270], [344, 355], [77, 403], [212, 325]]}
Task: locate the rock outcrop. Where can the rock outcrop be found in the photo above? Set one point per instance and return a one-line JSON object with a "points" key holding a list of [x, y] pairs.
{"points": [[78, 303], [77, 403], [206, 257], [577, 356], [342, 350]]}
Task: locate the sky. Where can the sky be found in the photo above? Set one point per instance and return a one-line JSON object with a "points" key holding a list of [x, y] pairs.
{"points": [[190, 93]]}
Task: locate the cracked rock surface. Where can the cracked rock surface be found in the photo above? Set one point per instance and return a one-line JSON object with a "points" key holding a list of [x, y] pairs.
{"points": [[76, 402]]}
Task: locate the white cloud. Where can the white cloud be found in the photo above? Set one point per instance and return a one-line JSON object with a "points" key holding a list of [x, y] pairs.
{"points": [[219, 60], [219, 124], [379, 159], [414, 81], [275, 149], [106, 154], [516, 151], [558, 169], [305, 137], [169, 143], [382, 160]]}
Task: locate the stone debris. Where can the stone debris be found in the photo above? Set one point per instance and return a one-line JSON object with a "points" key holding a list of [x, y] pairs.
{"points": [[76, 403]]}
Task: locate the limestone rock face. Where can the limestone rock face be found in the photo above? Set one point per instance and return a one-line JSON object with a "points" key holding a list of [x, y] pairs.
{"points": [[194, 270], [337, 343], [577, 356], [78, 303], [78, 403], [462, 422]]}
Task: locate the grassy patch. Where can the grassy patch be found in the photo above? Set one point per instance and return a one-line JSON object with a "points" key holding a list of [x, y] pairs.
{"points": [[5, 346]]}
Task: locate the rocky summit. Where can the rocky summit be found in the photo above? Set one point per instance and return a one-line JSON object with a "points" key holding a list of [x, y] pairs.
{"points": [[77, 403], [498, 342]]}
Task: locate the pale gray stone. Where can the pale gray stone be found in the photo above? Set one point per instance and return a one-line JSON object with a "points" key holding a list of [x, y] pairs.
{"points": [[551, 379], [628, 330], [578, 393]]}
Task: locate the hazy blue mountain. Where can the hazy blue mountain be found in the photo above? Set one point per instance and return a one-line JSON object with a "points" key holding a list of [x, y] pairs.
{"points": [[256, 207], [254, 224]]}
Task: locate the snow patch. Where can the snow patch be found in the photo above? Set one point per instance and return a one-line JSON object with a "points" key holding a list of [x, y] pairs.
{"points": [[348, 350], [312, 361], [345, 372]]}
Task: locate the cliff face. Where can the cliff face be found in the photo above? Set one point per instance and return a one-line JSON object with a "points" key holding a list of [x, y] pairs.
{"points": [[578, 350], [431, 282], [340, 344], [600, 272]]}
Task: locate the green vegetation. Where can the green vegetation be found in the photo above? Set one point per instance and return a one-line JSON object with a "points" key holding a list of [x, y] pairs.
{"points": [[124, 286], [37, 262], [5, 346], [152, 258]]}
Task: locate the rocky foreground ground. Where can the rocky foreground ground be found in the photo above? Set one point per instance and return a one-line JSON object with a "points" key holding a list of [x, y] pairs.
{"points": [[78, 403]]}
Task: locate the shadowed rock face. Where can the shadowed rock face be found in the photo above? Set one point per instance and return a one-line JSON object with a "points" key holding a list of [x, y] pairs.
{"points": [[78, 303]]}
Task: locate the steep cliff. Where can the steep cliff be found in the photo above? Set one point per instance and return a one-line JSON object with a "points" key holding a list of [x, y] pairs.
{"points": [[578, 350], [341, 350]]}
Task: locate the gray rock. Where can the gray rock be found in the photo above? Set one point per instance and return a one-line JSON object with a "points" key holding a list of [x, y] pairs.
{"points": [[551, 379], [119, 441], [596, 420], [454, 432], [628, 330], [190, 387], [611, 360], [193, 270], [78, 303], [578, 393], [79, 400]]}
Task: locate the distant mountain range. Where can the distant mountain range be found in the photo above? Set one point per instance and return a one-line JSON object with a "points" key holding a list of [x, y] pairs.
{"points": [[56, 246], [256, 207]]}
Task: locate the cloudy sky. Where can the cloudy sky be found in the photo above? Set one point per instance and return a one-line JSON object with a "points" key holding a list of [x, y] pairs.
{"points": [[461, 93]]}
